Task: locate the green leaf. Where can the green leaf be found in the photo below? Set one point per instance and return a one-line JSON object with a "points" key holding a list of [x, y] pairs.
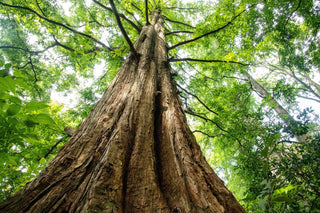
{"points": [[30, 123], [283, 199], [13, 109], [7, 84], [15, 100], [262, 204], [42, 161], [44, 119], [34, 105]]}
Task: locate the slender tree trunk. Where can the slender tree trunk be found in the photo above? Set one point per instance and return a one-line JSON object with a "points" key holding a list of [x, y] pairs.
{"points": [[282, 112], [134, 152]]}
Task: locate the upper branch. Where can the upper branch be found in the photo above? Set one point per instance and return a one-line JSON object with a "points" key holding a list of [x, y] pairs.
{"points": [[133, 51], [209, 33], [146, 12], [201, 60], [57, 23], [119, 14], [178, 22]]}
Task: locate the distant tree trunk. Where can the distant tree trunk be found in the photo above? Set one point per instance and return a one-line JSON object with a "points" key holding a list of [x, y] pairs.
{"points": [[134, 152], [282, 112]]}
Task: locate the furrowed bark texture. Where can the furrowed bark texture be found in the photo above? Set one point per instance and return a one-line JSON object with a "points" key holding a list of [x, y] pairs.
{"points": [[134, 153]]}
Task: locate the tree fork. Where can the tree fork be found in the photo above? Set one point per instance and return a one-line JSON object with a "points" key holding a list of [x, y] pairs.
{"points": [[133, 153]]}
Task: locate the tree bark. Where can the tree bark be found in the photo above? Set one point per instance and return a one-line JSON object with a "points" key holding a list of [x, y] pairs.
{"points": [[134, 152]]}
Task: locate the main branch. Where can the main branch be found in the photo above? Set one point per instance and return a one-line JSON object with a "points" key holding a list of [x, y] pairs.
{"points": [[125, 35], [209, 33], [146, 12]]}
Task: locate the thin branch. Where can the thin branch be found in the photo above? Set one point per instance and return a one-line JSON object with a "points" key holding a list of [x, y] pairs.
{"points": [[53, 147], [190, 112], [209, 33], [210, 136], [90, 22], [34, 72], [178, 22], [232, 77], [198, 100], [63, 46], [181, 31], [69, 133], [289, 17], [137, 8], [288, 141], [210, 61], [24, 66], [313, 99], [146, 11], [293, 75], [38, 5], [57, 23], [35, 76], [125, 35], [133, 16]]}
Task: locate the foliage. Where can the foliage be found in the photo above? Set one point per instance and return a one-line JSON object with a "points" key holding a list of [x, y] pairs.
{"points": [[269, 160]]}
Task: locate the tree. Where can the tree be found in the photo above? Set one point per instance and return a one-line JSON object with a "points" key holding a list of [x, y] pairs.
{"points": [[135, 150]]}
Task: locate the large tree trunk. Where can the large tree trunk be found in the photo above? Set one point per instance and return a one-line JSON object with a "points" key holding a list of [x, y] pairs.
{"points": [[134, 153]]}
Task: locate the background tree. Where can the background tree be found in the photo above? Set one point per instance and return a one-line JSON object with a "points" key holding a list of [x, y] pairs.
{"points": [[215, 49]]}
